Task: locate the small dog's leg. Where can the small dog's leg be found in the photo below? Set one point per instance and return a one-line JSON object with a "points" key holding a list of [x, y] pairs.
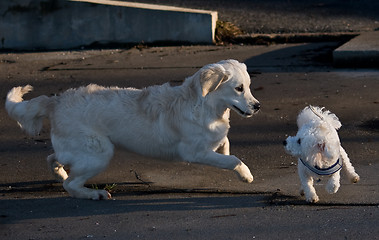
{"points": [[56, 168], [353, 176], [301, 190], [333, 183], [307, 184], [225, 147]]}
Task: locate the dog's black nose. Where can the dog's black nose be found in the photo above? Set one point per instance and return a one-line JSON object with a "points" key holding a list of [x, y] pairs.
{"points": [[285, 143], [257, 106]]}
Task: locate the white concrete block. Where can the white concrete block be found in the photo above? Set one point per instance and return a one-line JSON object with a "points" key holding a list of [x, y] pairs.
{"points": [[62, 24]]}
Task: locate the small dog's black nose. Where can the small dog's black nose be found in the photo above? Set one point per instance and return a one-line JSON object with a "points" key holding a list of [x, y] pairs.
{"points": [[257, 106], [285, 143]]}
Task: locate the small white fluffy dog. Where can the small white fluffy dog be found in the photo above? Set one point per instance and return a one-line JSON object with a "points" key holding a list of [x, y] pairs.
{"points": [[319, 152], [188, 122]]}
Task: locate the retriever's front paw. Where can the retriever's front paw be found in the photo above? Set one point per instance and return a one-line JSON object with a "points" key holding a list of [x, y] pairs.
{"points": [[244, 173]]}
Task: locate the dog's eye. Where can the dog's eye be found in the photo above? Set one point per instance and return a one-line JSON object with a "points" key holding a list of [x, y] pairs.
{"points": [[299, 141], [239, 88]]}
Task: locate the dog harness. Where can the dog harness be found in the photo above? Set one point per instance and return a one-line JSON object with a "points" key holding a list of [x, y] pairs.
{"points": [[324, 171]]}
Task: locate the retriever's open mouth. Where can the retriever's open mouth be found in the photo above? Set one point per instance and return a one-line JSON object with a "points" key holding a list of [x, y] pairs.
{"points": [[245, 114]]}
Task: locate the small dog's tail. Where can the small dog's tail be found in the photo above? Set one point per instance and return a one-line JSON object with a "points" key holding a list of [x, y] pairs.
{"points": [[29, 114]]}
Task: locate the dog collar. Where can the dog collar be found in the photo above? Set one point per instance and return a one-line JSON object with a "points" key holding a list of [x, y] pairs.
{"points": [[324, 171]]}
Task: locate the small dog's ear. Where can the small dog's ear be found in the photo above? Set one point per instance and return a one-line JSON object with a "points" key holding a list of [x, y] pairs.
{"points": [[212, 77], [325, 150], [321, 146]]}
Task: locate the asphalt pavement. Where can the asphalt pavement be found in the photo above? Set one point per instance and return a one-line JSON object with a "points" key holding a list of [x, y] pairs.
{"points": [[174, 200]]}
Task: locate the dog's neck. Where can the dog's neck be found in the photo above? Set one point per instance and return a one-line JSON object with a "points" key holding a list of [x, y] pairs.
{"points": [[323, 171], [213, 116], [217, 111]]}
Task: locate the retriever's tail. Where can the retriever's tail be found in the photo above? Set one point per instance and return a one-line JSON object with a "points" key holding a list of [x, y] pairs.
{"points": [[29, 114]]}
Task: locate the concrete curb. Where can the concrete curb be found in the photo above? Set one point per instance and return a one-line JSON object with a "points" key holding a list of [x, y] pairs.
{"points": [[62, 24], [265, 39], [362, 52]]}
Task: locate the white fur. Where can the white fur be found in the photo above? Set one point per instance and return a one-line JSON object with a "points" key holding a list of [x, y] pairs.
{"points": [[318, 144], [188, 122]]}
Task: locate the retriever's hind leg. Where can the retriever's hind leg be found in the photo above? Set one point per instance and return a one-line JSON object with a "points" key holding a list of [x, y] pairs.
{"points": [[81, 172], [87, 156], [74, 185], [56, 168]]}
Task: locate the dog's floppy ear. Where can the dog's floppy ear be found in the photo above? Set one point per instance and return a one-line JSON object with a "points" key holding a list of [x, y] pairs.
{"points": [[321, 146], [325, 149], [212, 77]]}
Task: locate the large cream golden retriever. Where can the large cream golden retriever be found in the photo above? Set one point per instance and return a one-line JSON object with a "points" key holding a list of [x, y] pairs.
{"points": [[189, 122]]}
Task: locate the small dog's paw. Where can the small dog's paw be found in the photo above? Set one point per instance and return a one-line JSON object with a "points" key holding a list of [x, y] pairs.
{"points": [[332, 188], [355, 179], [312, 199], [301, 192]]}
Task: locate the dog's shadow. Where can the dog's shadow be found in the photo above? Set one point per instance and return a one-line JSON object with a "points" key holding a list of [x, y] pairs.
{"points": [[25, 205], [33, 201]]}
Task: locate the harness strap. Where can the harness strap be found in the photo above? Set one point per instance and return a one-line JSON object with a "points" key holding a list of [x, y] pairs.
{"points": [[324, 171]]}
